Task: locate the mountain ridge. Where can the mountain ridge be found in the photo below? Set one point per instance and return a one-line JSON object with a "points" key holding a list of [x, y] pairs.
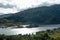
{"points": [[40, 15]]}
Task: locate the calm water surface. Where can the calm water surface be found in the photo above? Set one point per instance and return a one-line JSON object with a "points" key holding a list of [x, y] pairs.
{"points": [[16, 31]]}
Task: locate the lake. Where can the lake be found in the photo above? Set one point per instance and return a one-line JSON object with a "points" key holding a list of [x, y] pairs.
{"points": [[16, 31]]}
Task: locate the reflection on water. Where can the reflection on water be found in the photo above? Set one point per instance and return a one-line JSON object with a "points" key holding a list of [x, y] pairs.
{"points": [[15, 31], [22, 30]]}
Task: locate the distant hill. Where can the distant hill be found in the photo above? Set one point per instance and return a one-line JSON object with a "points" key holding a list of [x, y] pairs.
{"points": [[40, 15]]}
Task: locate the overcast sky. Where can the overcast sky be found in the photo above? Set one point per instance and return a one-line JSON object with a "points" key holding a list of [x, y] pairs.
{"points": [[12, 6]]}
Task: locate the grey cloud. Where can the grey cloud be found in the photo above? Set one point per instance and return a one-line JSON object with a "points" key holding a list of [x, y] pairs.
{"points": [[6, 6], [45, 4]]}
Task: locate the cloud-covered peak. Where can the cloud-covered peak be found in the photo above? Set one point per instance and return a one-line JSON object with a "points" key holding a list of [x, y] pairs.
{"points": [[12, 6]]}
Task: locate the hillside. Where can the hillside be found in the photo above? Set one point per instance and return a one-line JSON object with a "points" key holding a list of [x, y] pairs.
{"points": [[38, 15]]}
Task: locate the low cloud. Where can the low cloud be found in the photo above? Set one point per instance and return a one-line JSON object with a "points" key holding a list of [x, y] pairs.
{"points": [[6, 6], [12, 6]]}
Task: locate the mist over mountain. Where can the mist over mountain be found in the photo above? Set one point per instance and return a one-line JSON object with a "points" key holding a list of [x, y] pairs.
{"points": [[40, 15]]}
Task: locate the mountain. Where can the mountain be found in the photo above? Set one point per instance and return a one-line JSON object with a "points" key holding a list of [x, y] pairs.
{"points": [[40, 15], [5, 15]]}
